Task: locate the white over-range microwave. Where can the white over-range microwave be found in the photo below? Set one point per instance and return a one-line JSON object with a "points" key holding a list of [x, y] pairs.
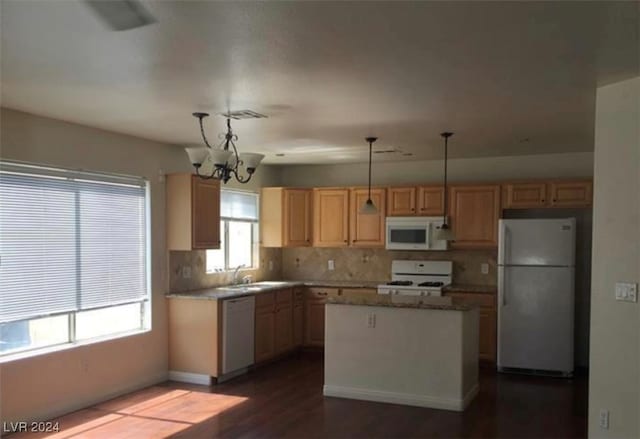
{"points": [[413, 233]]}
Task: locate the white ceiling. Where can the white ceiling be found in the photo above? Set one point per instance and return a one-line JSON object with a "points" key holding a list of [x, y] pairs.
{"points": [[509, 78]]}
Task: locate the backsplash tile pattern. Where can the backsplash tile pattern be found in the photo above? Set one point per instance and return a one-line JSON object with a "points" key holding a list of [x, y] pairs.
{"points": [[201, 279], [375, 264]]}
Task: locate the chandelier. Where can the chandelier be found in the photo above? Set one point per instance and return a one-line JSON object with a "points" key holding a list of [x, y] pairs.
{"points": [[225, 158]]}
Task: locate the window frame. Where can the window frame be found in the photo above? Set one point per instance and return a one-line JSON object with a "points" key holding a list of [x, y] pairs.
{"points": [[255, 238], [72, 341]]}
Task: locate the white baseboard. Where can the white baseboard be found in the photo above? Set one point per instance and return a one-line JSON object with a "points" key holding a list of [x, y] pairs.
{"points": [[401, 398], [229, 375], [187, 377]]}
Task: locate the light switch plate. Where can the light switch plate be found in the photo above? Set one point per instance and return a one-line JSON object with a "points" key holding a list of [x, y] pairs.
{"points": [[484, 268], [626, 292], [331, 264], [186, 272], [270, 265], [604, 419]]}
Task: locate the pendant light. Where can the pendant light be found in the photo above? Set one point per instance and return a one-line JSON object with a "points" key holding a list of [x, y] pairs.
{"points": [[368, 208], [444, 233]]}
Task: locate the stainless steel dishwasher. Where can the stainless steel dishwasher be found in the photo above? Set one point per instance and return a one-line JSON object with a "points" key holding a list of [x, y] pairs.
{"points": [[238, 323]]}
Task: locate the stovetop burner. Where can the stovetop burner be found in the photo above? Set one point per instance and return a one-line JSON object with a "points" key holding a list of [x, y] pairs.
{"points": [[431, 284], [404, 283]]}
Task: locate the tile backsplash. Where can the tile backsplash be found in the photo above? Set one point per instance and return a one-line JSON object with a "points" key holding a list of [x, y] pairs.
{"points": [[305, 263], [375, 264], [199, 278]]}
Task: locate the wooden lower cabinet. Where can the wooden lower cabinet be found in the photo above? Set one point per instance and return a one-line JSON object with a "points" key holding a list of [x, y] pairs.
{"points": [[265, 335], [487, 342], [284, 321], [298, 325], [314, 318], [487, 335]]}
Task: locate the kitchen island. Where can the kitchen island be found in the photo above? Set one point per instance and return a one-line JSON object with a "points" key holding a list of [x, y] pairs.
{"points": [[413, 354]]}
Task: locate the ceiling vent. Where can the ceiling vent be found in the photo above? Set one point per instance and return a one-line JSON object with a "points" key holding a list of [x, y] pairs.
{"points": [[243, 114]]}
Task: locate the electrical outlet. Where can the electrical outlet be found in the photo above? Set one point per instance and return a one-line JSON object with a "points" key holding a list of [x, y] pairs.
{"points": [[484, 268], [371, 320], [270, 265], [186, 272], [331, 265], [626, 292], [604, 419]]}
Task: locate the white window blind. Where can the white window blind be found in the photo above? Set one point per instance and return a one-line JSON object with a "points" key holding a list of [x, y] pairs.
{"points": [[239, 205], [69, 241]]}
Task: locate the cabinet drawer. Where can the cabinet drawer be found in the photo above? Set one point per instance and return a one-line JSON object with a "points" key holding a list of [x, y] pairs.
{"points": [[476, 299], [284, 296], [265, 300], [321, 293]]}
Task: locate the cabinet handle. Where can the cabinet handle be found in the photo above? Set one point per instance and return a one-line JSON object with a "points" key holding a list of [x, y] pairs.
{"points": [[554, 200], [346, 240]]}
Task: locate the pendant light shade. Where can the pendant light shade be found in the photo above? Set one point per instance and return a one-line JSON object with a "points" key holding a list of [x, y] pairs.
{"points": [[444, 233], [368, 208]]}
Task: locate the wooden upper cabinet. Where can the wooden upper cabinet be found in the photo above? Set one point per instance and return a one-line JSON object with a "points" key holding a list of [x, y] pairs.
{"points": [[524, 195], [285, 217], [193, 212], [571, 193], [430, 200], [331, 217], [474, 215], [297, 218], [367, 230], [401, 201]]}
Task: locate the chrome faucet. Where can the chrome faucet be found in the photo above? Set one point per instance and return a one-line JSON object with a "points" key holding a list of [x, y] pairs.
{"points": [[235, 274]]}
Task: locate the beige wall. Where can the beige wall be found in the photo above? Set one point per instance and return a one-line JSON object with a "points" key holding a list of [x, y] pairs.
{"points": [[460, 170], [615, 326], [47, 385]]}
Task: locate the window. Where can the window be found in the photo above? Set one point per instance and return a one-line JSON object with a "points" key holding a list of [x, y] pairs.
{"points": [[238, 232], [74, 262]]}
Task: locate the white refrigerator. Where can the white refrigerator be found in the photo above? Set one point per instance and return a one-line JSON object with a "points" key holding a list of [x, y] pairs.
{"points": [[536, 260]]}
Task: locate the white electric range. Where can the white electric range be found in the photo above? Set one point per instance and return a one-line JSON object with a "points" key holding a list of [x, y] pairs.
{"points": [[417, 278]]}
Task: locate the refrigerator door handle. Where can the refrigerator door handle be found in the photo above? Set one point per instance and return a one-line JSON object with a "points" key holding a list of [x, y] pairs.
{"points": [[502, 281]]}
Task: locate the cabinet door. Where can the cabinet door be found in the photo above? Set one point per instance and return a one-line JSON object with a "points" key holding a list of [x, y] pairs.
{"points": [[284, 328], [430, 200], [474, 215], [298, 324], [524, 195], [487, 334], [314, 316], [297, 218], [264, 337], [367, 230], [401, 201], [331, 217], [571, 193], [205, 213]]}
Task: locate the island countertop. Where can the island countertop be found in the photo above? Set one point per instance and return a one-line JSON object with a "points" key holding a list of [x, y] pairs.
{"points": [[386, 302]]}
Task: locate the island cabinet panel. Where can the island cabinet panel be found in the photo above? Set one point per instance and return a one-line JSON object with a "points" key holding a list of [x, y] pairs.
{"points": [[331, 217], [298, 317], [474, 214], [401, 201], [193, 212], [487, 336], [524, 195], [430, 200], [571, 193], [265, 327], [194, 336], [285, 217], [367, 230]]}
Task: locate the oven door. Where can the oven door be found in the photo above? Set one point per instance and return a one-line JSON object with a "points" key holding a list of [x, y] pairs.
{"points": [[407, 236]]}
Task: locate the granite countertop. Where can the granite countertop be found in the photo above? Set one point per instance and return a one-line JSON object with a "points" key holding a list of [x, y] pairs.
{"points": [[226, 292], [469, 288], [377, 301]]}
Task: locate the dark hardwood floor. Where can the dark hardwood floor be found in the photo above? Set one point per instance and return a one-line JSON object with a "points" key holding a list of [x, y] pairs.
{"points": [[284, 399]]}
